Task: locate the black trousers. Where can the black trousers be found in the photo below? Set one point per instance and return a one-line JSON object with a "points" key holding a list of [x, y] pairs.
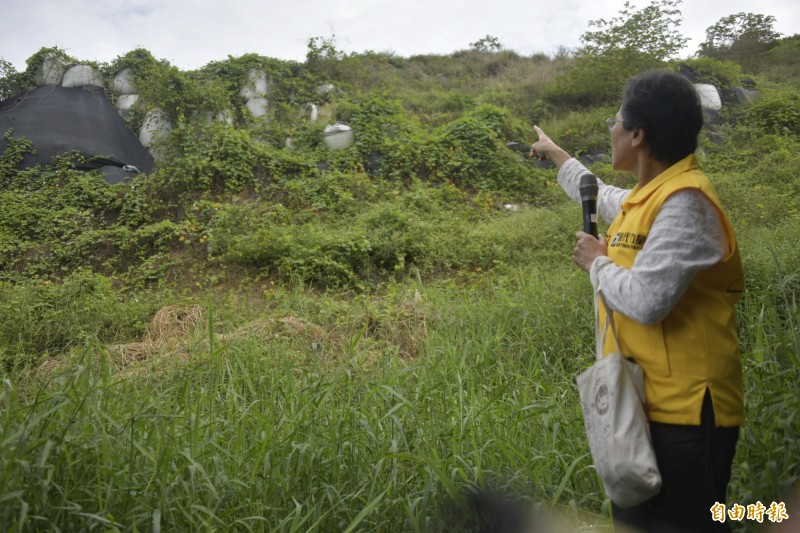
{"points": [[695, 465]]}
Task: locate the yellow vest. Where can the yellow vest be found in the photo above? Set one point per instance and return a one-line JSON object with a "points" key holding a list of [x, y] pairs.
{"points": [[695, 347]]}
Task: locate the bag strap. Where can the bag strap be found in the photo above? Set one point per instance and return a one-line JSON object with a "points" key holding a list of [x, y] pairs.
{"points": [[600, 335]]}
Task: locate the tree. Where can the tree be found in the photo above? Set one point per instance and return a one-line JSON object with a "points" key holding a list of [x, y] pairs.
{"points": [[322, 48], [742, 38], [323, 57], [9, 79], [486, 44], [618, 48], [650, 31]]}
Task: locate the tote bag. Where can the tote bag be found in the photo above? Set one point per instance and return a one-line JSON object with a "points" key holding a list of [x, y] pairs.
{"points": [[612, 398]]}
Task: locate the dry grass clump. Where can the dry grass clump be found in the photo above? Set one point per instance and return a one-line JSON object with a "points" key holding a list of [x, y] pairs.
{"points": [[401, 327], [276, 328], [405, 327], [381, 327], [168, 332], [372, 325], [48, 367]]}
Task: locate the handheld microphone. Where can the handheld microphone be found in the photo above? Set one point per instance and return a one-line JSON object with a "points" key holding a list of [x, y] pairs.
{"points": [[589, 188]]}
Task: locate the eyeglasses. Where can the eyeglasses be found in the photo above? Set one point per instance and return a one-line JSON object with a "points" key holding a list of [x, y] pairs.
{"points": [[611, 121]]}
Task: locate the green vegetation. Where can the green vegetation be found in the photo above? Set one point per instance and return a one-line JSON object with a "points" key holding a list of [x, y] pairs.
{"points": [[742, 38], [635, 40], [257, 337]]}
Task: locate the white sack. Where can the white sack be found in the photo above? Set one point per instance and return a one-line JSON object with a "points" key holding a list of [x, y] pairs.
{"points": [[256, 86], [123, 82], [337, 136], [81, 76], [155, 127], [709, 96], [257, 106], [52, 71]]}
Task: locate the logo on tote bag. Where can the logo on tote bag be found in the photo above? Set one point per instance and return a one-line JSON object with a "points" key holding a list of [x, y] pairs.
{"points": [[601, 402]]}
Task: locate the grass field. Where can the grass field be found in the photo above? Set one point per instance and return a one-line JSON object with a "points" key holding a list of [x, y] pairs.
{"points": [[306, 410]]}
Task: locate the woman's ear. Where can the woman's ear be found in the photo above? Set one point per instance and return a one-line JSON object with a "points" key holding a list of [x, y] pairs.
{"points": [[638, 137]]}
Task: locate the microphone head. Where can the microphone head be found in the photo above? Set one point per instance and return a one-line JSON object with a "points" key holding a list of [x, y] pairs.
{"points": [[588, 187]]}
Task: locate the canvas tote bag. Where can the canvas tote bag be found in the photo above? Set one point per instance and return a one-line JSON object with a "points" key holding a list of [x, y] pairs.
{"points": [[612, 398]]}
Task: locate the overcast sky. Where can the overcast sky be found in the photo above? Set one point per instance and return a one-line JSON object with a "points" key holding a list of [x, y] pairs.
{"points": [[191, 33]]}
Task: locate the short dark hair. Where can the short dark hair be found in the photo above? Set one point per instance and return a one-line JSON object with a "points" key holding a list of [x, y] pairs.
{"points": [[666, 106]]}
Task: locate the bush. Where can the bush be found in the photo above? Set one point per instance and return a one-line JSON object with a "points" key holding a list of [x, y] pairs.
{"points": [[375, 119], [181, 95], [44, 213], [722, 74], [597, 80], [782, 61], [38, 318], [757, 175], [400, 235], [213, 158], [777, 112], [310, 253], [11, 81], [582, 132], [470, 152], [11, 158]]}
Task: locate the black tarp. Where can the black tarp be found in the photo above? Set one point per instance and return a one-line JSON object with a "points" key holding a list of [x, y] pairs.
{"points": [[58, 120]]}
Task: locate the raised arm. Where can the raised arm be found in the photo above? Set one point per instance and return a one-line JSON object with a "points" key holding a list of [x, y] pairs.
{"points": [[570, 170]]}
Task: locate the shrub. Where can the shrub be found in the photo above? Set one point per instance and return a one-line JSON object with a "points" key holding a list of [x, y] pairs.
{"points": [[181, 95], [470, 152], [400, 236], [634, 41], [379, 122], [11, 81], [41, 318], [597, 80], [11, 158], [581, 132], [714, 71], [311, 253], [757, 175], [782, 61], [212, 158], [45, 212], [776, 112]]}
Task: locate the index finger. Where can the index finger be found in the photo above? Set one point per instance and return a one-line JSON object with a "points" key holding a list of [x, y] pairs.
{"points": [[539, 132]]}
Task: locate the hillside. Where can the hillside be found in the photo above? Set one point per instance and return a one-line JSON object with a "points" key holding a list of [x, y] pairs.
{"points": [[265, 333]]}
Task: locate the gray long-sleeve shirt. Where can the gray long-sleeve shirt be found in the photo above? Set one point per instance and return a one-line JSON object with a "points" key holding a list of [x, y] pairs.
{"points": [[686, 236]]}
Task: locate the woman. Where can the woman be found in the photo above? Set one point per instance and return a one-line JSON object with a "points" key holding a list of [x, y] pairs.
{"points": [[671, 274]]}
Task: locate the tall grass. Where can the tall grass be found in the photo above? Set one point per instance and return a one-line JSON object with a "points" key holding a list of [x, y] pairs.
{"points": [[255, 434], [768, 456], [343, 432], [285, 408]]}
